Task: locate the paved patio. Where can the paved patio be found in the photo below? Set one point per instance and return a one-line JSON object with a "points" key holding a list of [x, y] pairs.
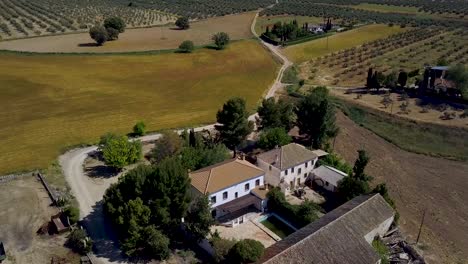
{"points": [[248, 229]]}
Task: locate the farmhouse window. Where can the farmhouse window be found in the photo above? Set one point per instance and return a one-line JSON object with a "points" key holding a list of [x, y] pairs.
{"points": [[213, 199], [257, 182], [225, 195], [247, 187]]}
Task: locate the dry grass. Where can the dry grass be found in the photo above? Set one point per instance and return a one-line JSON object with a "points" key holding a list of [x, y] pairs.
{"points": [[25, 208], [142, 39], [48, 102], [316, 48]]}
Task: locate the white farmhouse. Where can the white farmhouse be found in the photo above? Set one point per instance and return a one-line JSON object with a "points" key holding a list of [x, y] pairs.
{"points": [[327, 177], [232, 187], [287, 166]]}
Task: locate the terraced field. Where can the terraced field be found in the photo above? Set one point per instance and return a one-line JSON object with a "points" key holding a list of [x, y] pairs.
{"points": [[316, 48], [48, 102]]}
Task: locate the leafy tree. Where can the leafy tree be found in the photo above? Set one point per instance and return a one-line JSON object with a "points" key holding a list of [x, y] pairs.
{"points": [[112, 33], [182, 22], [139, 129], [221, 40], [246, 251], [369, 82], [157, 244], [271, 138], [119, 152], [194, 158], [98, 34], [73, 214], [442, 62], [234, 125], [115, 23], [79, 241], [334, 161], [459, 75], [221, 247], [360, 164], [199, 219], [276, 114], [391, 80], [169, 144], [187, 46], [316, 116], [402, 78]]}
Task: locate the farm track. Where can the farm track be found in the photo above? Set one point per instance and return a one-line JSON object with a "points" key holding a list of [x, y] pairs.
{"points": [[90, 203]]}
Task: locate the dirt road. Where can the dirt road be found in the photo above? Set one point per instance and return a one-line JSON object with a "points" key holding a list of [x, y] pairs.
{"points": [[417, 182]]}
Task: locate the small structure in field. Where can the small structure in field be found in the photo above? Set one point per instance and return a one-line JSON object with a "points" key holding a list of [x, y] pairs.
{"points": [[60, 223]]}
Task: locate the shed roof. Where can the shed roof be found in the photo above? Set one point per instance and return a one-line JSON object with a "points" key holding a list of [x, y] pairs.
{"points": [[440, 68], [222, 175], [329, 174], [337, 237], [287, 156]]}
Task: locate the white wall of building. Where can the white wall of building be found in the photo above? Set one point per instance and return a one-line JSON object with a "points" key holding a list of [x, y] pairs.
{"points": [[273, 175], [239, 188], [298, 174]]}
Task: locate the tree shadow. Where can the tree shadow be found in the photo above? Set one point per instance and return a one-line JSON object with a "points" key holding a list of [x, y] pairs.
{"points": [[101, 171], [90, 44], [105, 241]]}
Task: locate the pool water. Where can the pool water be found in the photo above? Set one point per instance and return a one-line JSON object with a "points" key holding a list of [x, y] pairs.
{"points": [[277, 226]]}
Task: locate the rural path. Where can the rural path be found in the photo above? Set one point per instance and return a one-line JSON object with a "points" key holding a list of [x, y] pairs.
{"points": [[89, 196]]}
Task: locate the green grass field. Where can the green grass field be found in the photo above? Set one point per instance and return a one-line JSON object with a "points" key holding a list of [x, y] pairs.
{"points": [[418, 137], [263, 22], [316, 48], [49, 102]]}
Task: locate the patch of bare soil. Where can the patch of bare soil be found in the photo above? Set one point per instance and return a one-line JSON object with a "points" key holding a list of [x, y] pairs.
{"points": [[141, 39], [417, 183], [24, 208]]}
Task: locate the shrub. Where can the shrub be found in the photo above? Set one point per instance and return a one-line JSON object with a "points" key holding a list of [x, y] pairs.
{"points": [[73, 214], [99, 34], [221, 40], [139, 129], [221, 247], [246, 251], [112, 33], [79, 241], [182, 22], [187, 46]]}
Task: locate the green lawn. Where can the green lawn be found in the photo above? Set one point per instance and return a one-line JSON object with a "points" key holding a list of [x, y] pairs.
{"points": [[49, 102], [316, 48], [418, 137]]}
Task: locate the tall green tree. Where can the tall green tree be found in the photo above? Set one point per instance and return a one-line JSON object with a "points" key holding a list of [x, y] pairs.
{"points": [[139, 129], [360, 165], [194, 158], [182, 22], [275, 137], [99, 34], [402, 78], [169, 144], [274, 113], [459, 75], [221, 40], [234, 125], [357, 183], [316, 116], [116, 23], [199, 219], [119, 152]]}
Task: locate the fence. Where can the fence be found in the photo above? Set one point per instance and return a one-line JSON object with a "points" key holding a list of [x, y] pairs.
{"points": [[48, 189]]}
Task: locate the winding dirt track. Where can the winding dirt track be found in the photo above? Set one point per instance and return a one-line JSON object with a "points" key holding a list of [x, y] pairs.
{"points": [[89, 199]]}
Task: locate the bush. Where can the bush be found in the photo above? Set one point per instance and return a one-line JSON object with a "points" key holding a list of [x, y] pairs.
{"points": [[115, 23], [187, 46], [182, 22], [246, 251], [221, 40], [79, 241], [139, 129], [112, 33], [221, 247], [73, 214], [118, 152], [99, 34], [275, 137]]}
